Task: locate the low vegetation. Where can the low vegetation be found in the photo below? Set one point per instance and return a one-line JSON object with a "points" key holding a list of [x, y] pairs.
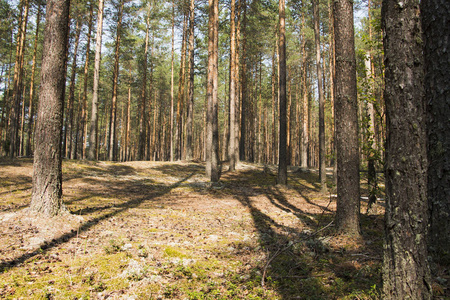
{"points": [[153, 230]]}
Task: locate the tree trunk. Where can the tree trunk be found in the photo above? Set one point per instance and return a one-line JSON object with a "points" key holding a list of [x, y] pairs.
{"points": [[346, 112], [68, 132], [212, 140], [435, 18], [405, 267], [93, 136], [190, 102], [142, 109], [28, 149], [112, 123], [83, 132], [322, 170], [172, 84], [18, 79], [46, 195], [282, 155], [181, 94], [243, 89], [234, 125], [305, 107]]}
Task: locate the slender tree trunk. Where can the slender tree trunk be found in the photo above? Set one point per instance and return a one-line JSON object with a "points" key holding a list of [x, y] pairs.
{"points": [[18, 80], [322, 170], [28, 149], [212, 153], [83, 132], [234, 131], [305, 109], [243, 90], [112, 122], [93, 136], [142, 110], [181, 94], [346, 111], [46, 195], [190, 102], [172, 84], [68, 132], [282, 155], [437, 94]]}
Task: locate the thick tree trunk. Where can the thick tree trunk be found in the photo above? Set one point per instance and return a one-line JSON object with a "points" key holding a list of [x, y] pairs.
{"points": [[243, 89], [436, 27], [405, 267], [346, 112], [93, 132], [322, 170], [282, 155], [46, 195]]}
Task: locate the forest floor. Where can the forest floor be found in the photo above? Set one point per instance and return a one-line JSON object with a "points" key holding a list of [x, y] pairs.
{"points": [[159, 230]]}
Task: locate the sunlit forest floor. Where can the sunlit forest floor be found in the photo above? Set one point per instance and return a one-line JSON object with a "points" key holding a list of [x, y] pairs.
{"points": [[159, 230]]}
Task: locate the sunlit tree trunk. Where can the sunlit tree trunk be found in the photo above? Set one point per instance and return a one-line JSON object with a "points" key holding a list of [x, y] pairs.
{"points": [[190, 102], [83, 132], [18, 80], [69, 149], [112, 123], [181, 94], [234, 125], [93, 136], [172, 84], [322, 170], [346, 112], [212, 140], [28, 149], [46, 195], [142, 110]]}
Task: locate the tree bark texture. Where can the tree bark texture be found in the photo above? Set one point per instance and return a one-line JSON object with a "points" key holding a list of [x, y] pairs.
{"points": [[93, 132], [282, 155], [234, 131], [113, 117], [212, 139], [47, 172], [346, 112], [436, 29], [322, 170], [190, 101], [405, 267]]}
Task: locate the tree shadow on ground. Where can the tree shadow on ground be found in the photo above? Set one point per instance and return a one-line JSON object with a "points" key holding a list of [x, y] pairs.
{"points": [[300, 263], [104, 214]]}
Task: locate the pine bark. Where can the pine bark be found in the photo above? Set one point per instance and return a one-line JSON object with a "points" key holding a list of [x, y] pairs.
{"points": [[190, 102], [83, 133], [93, 130], [68, 132], [28, 149], [405, 267], [18, 80], [46, 195], [282, 155], [346, 112], [212, 139], [234, 125], [322, 170], [436, 28], [112, 123]]}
